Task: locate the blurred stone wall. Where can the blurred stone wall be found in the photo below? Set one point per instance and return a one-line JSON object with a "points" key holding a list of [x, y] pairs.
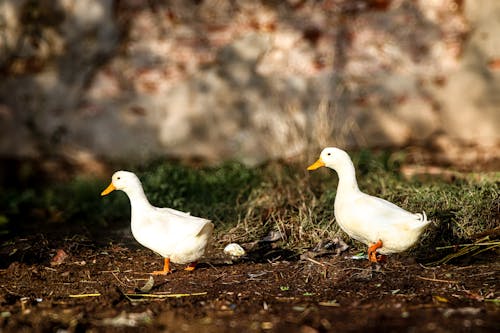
{"points": [[133, 80]]}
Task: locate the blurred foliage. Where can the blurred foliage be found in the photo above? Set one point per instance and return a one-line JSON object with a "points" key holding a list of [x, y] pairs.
{"points": [[77, 202]]}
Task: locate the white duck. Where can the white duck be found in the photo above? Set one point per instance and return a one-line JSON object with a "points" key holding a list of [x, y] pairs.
{"points": [[380, 224], [177, 236]]}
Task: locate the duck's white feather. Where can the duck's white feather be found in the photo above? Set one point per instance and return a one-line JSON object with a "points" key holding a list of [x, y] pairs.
{"points": [[369, 219], [366, 218], [174, 211], [171, 233], [180, 237]]}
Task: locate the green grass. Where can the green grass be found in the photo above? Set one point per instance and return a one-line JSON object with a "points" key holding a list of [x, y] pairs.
{"points": [[246, 203], [214, 192]]}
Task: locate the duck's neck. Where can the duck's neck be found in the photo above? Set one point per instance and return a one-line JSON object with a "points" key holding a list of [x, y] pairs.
{"points": [[347, 177], [138, 199]]}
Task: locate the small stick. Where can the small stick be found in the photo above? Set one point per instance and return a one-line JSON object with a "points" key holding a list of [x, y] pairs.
{"points": [[165, 295], [142, 295], [463, 245], [436, 280], [85, 295], [486, 249], [316, 262], [114, 270], [117, 279]]}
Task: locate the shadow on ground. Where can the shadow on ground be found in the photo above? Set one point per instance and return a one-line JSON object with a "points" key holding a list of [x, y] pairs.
{"points": [[97, 287]]}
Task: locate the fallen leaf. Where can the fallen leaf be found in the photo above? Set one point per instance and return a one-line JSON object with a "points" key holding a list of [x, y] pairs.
{"points": [[148, 286], [335, 245], [257, 275], [267, 325], [59, 258], [474, 296], [273, 236], [440, 299], [359, 256], [329, 303], [298, 308]]}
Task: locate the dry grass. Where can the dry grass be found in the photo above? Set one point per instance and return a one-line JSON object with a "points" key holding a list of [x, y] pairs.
{"points": [[300, 205]]}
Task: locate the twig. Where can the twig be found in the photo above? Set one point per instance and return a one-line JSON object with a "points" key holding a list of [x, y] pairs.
{"points": [[464, 245], [131, 296], [165, 295], [354, 269], [117, 279], [436, 280], [494, 300], [486, 249], [85, 295], [114, 270], [482, 274], [466, 249], [315, 261], [212, 266]]}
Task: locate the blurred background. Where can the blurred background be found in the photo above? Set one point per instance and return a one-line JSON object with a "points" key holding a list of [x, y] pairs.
{"points": [[89, 83]]}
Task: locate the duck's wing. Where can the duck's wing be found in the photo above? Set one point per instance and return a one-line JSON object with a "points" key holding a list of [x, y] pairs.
{"points": [[388, 213], [173, 211], [179, 222]]}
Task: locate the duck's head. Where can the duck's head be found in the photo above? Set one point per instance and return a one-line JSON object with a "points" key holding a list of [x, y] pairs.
{"points": [[122, 180], [330, 157]]}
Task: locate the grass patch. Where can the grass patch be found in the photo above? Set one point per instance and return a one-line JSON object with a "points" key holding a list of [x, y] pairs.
{"points": [[246, 203], [217, 193]]}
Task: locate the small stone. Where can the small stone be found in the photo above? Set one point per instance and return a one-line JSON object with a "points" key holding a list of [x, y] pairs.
{"points": [[234, 250]]}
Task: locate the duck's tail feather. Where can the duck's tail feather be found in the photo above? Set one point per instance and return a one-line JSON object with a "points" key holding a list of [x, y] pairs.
{"points": [[422, 220], [424, 217]]}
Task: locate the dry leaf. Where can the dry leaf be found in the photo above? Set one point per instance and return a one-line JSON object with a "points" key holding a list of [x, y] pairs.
{"points": [[59, 258], [148, 286]]}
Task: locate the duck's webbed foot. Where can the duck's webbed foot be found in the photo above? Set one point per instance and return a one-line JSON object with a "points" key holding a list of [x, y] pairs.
{"points": [[373, 256], [191, 266], [166, 268]]}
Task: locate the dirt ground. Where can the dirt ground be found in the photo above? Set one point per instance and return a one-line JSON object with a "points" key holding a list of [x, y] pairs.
{"points": [[79, 284]]}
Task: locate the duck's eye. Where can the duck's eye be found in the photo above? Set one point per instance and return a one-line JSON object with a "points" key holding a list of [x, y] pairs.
{"points": [[118, 178], [328, 154]]}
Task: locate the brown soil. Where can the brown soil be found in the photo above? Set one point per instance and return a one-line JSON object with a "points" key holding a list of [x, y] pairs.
{"points": [[271, 290]]}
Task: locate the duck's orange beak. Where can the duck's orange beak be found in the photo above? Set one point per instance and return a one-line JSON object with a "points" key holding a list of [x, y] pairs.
{"points": [[108, 189], [318, 164]]}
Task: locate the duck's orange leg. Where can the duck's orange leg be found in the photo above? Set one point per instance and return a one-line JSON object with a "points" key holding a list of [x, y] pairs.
{"points": [[191, 266], [372, 252], [166, 268]]}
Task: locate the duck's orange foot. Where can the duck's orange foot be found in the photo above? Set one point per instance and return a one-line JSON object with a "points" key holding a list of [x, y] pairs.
{"points": [[161, 272], [166, 268], [190, 267], [373, 256]]}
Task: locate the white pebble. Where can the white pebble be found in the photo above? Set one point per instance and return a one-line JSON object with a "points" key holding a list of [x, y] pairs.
{"points": [[234, 250]]}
